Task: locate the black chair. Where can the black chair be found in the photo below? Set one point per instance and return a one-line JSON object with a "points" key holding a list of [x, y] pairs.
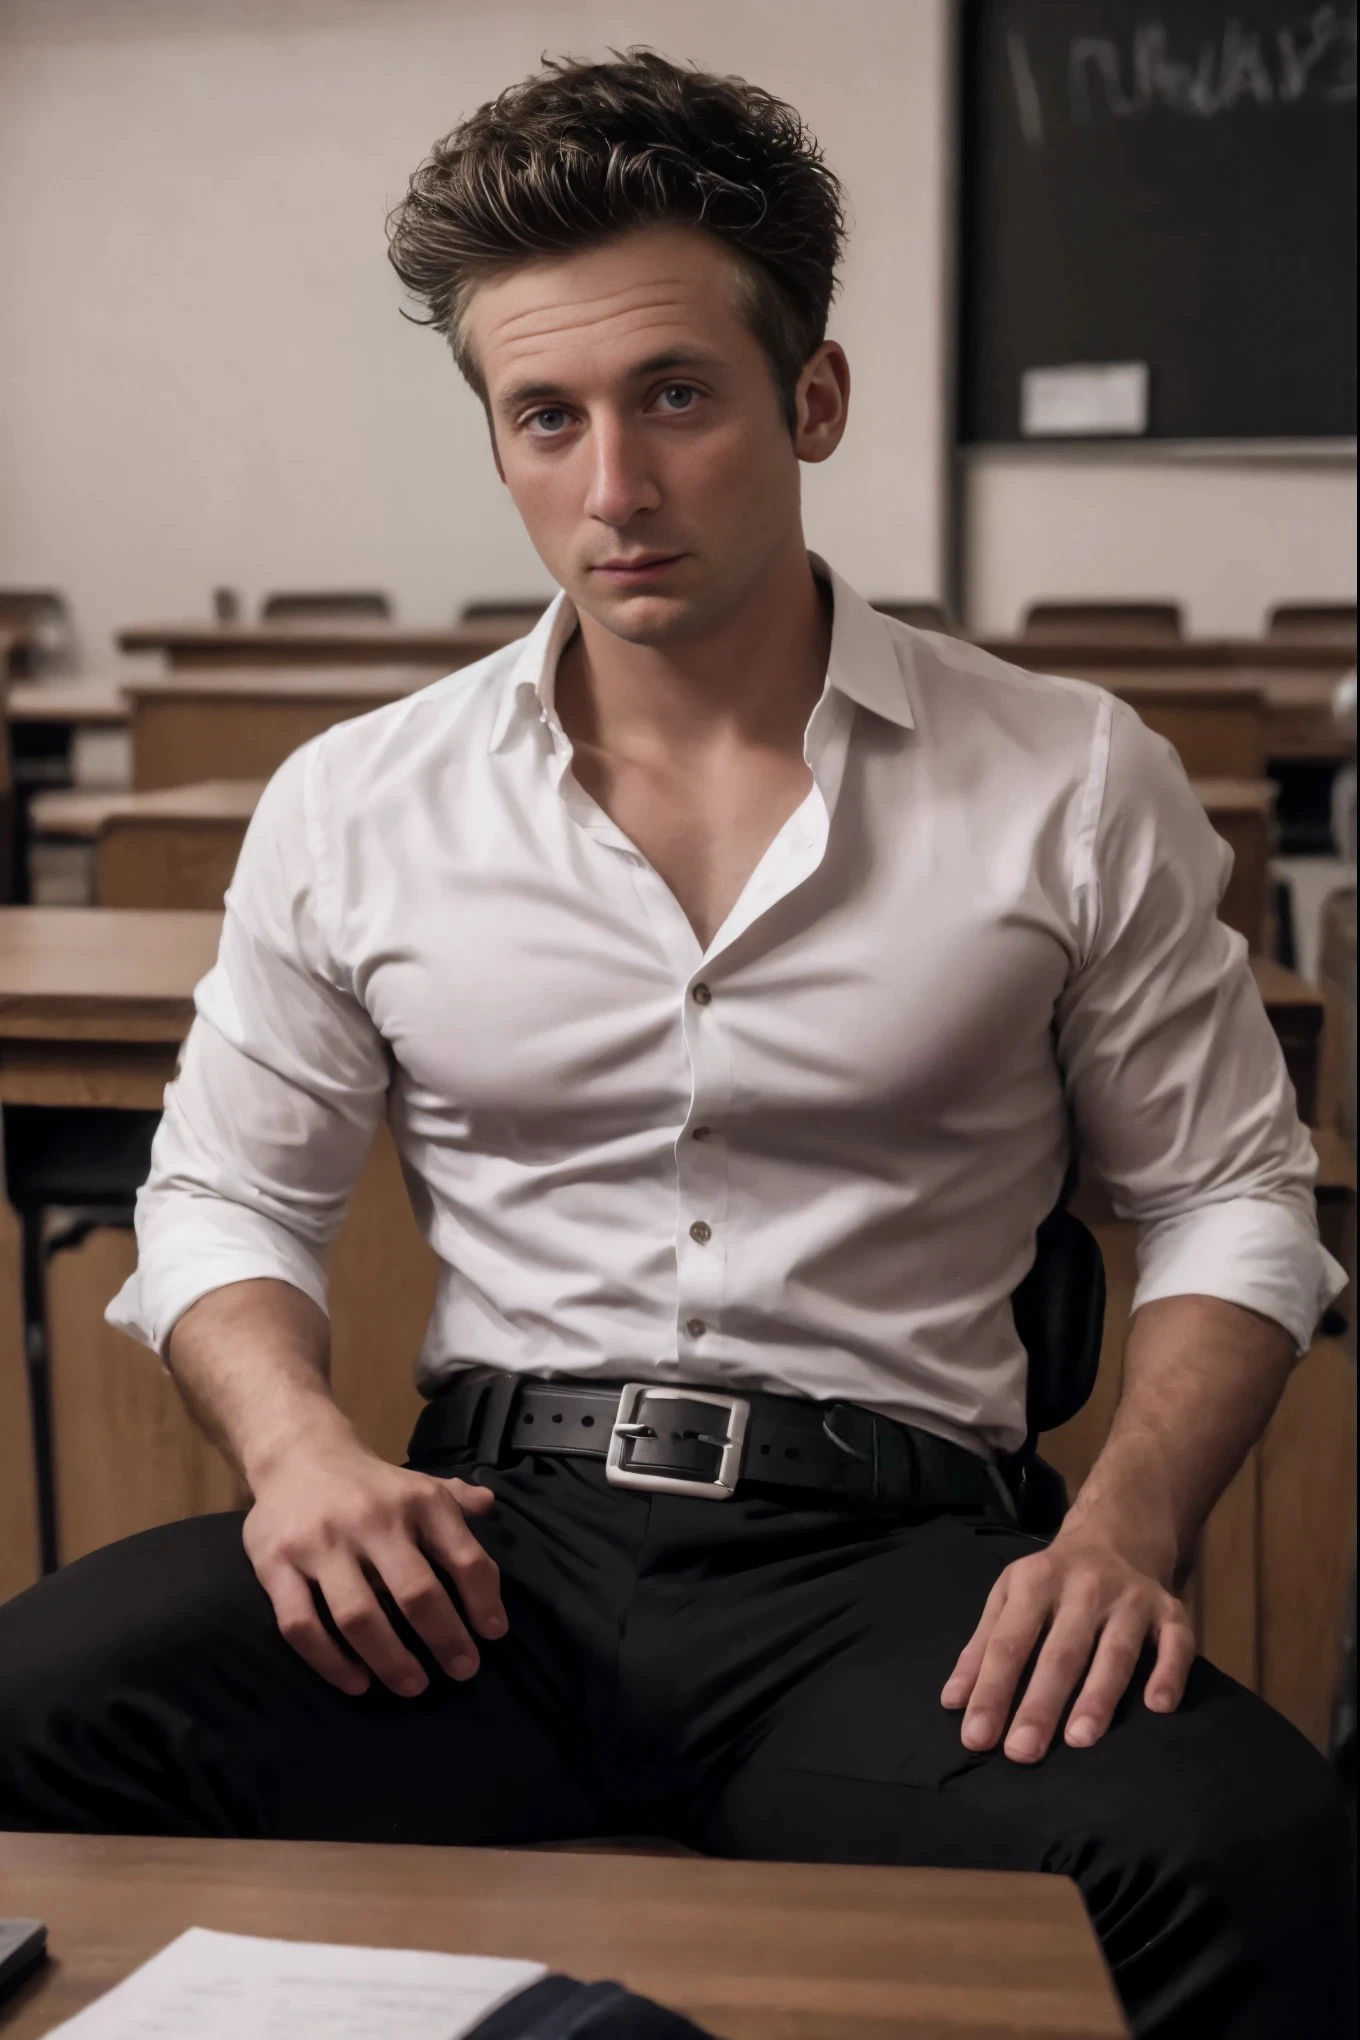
{"points": [[1059, 1312]]}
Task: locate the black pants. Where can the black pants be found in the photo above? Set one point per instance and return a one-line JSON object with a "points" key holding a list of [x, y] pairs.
{"points": [[755, 1680]]}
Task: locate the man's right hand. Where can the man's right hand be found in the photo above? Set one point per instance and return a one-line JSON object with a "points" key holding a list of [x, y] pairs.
{"points": [[339, 1518]]}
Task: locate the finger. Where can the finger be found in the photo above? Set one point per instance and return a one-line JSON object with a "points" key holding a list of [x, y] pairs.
{"points": [[475, 1574], [1065, 1655], [425, 1602], [1117, 1654], [356, 1614], [301, 1627], [959, 1684], [474, 1500], [1175, 1659], [1007, 1653]]}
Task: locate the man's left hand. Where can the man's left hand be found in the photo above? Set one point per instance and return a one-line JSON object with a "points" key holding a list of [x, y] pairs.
{"points": [[1099, 1610]]}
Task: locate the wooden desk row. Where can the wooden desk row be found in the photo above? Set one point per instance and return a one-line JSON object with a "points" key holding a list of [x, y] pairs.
{"points": [[93, 1006], [177, 846], [241, 724]]}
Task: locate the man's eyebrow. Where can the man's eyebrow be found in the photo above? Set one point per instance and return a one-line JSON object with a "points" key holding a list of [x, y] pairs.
{"points": [[520, 394]]}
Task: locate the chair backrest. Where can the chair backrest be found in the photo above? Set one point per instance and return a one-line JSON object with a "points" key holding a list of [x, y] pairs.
{"points": [[1332, 622], [920, 615], [1127, 622], [515, 612], [1059, 1312], [337, 604], [42, 620]]}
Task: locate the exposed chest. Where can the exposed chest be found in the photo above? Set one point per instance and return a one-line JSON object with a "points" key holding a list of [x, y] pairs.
{"points": [[702, 828]]}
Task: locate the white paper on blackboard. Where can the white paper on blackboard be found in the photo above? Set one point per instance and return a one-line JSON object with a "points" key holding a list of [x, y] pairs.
{"points": [[1084, 400]]}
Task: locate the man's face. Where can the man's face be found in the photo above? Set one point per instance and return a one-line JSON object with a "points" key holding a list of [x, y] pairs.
{"points": [[638, 429]]}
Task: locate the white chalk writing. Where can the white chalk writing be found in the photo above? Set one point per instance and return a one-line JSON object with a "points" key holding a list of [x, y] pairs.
{"points": [[1312, 58]]}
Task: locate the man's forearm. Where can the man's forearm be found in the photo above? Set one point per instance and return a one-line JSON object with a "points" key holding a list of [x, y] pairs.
{"points": [[251, 1362], [1201, 1379]]}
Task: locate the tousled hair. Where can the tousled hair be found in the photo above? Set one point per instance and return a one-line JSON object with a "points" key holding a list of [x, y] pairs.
{"points": [[579, 154]]}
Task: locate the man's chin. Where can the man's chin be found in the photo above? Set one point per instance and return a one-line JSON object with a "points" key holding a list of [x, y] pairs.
{"points": [[644, 617]]}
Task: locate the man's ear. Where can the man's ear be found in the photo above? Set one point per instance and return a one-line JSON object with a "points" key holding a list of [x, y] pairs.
{"points": [[821, 403]]}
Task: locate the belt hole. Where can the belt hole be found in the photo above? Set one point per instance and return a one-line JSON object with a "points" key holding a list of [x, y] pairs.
{"points": [[765, 1450], [586, 1423], [790, 1451], [528, 1416], [557, 1416]]}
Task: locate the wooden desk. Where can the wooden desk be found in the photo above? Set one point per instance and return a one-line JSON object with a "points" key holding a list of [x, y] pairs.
{"points": [[78, 704], [93, 1008], [242, 724], [1296, 1013], [1242, 812], [1295, 678], [751, 1951], [307, 642], [1191, 654], [176, 847]]}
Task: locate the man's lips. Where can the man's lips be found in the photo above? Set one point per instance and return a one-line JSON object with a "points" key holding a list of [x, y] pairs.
{"points": [[639, 569]]}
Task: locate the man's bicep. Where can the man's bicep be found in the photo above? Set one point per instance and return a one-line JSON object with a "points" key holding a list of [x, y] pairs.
{"points": [[1176, 1079]]}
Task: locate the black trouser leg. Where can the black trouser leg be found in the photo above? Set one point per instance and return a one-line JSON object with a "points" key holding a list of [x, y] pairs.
{"points": [[1211, 1846], [146, 1690], [759, 1680]]}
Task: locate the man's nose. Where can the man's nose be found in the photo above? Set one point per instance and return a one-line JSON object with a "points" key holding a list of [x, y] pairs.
{"points": [[622, 484]]}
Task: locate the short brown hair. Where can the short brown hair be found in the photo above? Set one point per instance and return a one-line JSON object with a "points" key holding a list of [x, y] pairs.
{"points": [[577, 154]]}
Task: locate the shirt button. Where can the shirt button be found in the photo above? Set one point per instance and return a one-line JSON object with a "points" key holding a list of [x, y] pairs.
{"points": [[701, 1231], [701, 1133], [702, 996], [696, 1327]]}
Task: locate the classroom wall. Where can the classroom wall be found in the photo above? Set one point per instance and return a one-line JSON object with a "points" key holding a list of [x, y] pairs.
{"points": [[1228, 536], [206, 380]]}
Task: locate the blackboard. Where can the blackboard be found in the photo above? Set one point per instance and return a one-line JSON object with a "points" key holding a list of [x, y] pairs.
{"points": [[1173, 188]]}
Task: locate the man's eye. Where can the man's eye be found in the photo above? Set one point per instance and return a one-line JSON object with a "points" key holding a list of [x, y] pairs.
{"points": [[678, 397], [549, 420]]}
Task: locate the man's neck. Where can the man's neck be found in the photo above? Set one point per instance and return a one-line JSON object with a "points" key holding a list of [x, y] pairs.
{"points": [[753, 681]]}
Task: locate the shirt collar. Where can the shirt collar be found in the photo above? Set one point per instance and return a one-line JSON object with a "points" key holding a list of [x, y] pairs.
{"points": [[869, 662]]}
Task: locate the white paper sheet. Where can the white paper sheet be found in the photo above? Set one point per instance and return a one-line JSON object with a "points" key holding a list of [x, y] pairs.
{"points": [[1084, 399], [210, 1986]]}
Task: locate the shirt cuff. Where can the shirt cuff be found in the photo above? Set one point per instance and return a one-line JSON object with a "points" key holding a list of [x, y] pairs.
{"points": [[1253, 1251], [172, 1275]]}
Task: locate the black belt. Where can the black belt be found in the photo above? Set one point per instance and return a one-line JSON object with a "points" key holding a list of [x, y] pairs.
{"points": [[703, 1444]]}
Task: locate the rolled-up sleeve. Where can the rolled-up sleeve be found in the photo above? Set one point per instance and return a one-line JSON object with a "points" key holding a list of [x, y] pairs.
{"points": [[280, 1087], [1178, 1086]]}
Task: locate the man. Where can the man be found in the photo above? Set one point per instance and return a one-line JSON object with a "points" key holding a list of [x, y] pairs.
{"points": [[731, 964]]}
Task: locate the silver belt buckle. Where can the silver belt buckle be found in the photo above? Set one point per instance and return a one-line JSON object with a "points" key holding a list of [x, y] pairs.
{"points": [[723, 1484]]}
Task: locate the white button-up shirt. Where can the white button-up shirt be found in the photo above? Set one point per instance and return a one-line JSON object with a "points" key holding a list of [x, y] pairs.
{"points": [[809, 1158]]}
